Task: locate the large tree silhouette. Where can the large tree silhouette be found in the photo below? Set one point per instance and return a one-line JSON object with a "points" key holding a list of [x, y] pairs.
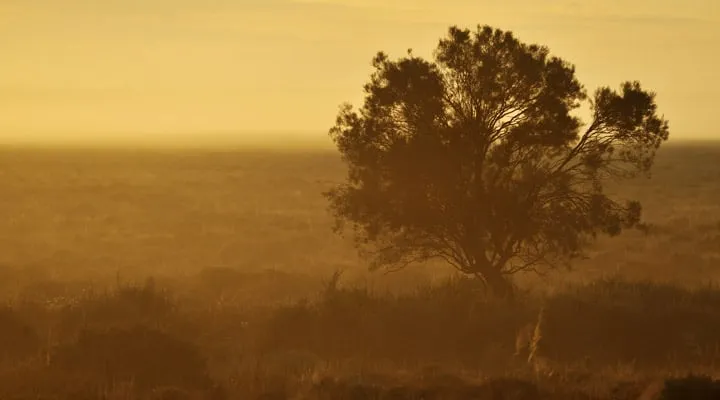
{"points": [[475, 158]]}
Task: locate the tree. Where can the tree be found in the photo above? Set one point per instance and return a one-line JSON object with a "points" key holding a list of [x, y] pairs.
{"points": [[476, 158]]}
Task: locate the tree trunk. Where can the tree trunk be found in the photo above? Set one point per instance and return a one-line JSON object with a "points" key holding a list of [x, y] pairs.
{"points": [[500, 286]]}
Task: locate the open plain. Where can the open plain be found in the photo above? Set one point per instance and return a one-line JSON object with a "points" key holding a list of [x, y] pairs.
{"points": [[215, 274]]}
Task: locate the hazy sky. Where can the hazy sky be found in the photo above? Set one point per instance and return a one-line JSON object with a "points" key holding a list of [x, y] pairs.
{"points": [[163, 69]]}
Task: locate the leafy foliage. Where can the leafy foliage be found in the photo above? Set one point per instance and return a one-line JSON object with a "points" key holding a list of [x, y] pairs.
{"points": [[476, 158]]}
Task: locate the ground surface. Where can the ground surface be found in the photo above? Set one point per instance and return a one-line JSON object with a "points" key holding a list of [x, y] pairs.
{"points": [[232, 234]]}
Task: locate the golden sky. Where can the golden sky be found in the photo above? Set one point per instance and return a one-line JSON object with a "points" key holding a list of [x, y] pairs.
{"points": [[167, 69]]}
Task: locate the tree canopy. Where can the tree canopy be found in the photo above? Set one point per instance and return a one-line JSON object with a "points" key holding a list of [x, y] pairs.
{"points": [[476, 158]]}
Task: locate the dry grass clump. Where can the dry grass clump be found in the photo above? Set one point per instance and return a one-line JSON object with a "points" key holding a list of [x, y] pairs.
{"points": [[606, 340]]}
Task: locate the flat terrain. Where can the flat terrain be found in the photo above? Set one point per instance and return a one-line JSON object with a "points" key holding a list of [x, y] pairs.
{"points": [[208, 275], [82, 212]]}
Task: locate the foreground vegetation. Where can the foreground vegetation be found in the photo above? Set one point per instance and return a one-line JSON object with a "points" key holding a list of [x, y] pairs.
{"points": [[608, 340]]}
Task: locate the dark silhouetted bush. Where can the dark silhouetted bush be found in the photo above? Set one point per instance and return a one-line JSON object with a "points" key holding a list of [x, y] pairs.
{"points": [[144, 356], [691, 388], [18, 340]]}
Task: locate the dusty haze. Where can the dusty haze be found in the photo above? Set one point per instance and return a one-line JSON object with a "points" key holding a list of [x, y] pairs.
{"points": [[171, 72], [206, 270]]}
